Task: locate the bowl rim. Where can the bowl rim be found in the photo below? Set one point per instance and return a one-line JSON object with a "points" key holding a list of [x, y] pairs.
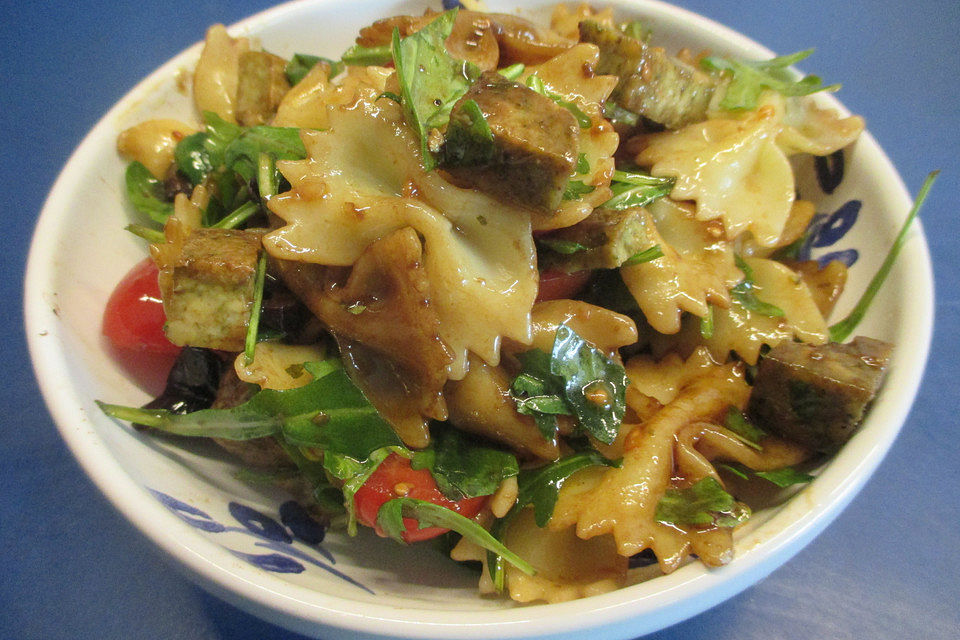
{"points": [[681, 595]]}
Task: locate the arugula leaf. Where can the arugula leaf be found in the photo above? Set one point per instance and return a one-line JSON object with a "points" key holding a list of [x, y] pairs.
{"points": [[565, 247], [192, 157], [704, 503], [354, 472], [538, 393], [647, 255], [280, 143], [785, 477], [842, 330], [740, 473], [745, 293], [540, 487], [146, 193], [153, 236], [536, 83], [594, 385], [391, 515], [749, 79], [367, 56], [706, 324], [636, 189], [617, 115], [463, 467], [512, 72], [469, 141], [302, 63], [250, 341], [746, 431], [431, 81], [576, 189]]}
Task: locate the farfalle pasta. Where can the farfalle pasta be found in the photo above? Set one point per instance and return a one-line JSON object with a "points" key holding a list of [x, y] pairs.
{"points": [[533, 287]]}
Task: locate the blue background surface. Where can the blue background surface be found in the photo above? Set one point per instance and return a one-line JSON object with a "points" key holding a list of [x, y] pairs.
{"points": [[889, 566]]}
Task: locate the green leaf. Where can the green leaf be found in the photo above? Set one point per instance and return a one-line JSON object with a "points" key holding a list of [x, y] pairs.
{"points": [[540, 487], [354, 472], [617, 115], [250, 341], [745, 293], [749, 79], [391, 515], [536, 83], [146, 193], [469, 140], [535, 387], [842, 330], [745, 430], [235, 218], [594, 385], [583, 165], [740, 473], [367, 56], [192, 157], [704, 503], [302, 63], [431, 81], [565, 247], [785, 477], [636, 30], [647, 255], [512, 72], [636, 189], [576, 189], [706, 324], [153, 236], [280, 143], [463, 467]]}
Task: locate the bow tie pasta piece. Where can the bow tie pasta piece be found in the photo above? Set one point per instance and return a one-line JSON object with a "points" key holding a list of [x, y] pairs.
{"points": [[362, 179], [733, 169]]}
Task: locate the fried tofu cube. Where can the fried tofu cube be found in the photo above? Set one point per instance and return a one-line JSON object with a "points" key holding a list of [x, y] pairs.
{"points": [[817, 395], [213, 285], [261, 86], [534, 148]]}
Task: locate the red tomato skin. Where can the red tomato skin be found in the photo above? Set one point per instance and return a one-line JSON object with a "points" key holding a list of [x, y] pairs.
{"points": [[133, 318], [556, 284], [395, 478]]}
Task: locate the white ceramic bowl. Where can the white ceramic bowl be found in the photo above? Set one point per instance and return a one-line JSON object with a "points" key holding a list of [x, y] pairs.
{"points": [[224, 532]]}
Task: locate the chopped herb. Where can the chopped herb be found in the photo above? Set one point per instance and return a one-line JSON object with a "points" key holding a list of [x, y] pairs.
{"points": [[565, 247], [842, 330], [785, 477], [746, 431], [463, 467], [391, 515], [734, 470], [356, 308], [617, 115], [512, 72], [749, 79], [647, 255], [536, 388], [706, 324], [390, 95], [636, 189], [745, 293], [636, 30], [583, 165], [576, 189], [704, 503], [146, 193], [301, 64], [469, 141], [153, 236]]}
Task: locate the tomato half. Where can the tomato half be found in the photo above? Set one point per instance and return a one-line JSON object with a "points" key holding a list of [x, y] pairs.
{"points": [[556, 284], [395, 478], [133, 319]]}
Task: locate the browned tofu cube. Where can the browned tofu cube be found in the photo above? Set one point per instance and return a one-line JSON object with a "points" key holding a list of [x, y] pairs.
{"points": [[816, 395], [212, 294], [262, 83], [534, 148]]}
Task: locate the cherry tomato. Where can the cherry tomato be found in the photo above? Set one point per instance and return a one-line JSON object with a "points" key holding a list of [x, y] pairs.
{"points": [[395, 478], [555, 284], [133, 319]]}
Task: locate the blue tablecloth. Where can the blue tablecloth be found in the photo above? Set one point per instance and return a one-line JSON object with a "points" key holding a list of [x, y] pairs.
{"points": [[888, 568]]}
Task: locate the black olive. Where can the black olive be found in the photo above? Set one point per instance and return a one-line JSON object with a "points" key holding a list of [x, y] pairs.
{"points": [[192, 382]]}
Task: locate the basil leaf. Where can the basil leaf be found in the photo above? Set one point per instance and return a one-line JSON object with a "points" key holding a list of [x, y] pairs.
{"points": [[746, 431], [842, 330], [391, 515], [463, 467], [594, 385], [704, 503], [146, 193], [749, 79], [431, 81]]}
